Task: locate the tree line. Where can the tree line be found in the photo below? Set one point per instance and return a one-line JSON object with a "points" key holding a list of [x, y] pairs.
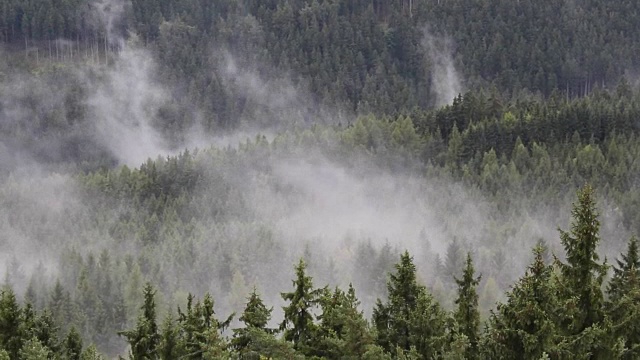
{"points": [[556, 310]]}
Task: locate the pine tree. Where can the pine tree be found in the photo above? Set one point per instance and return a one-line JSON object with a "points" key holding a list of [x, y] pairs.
{"points": [[466, 314], [169, 343], [623, 305], [144, 339], [298, 325], [73, 345], [582, 275], [343, 331], [255, 317], [628, 266], [525, 326], [11, 338], [586, 333], [410, 319]]}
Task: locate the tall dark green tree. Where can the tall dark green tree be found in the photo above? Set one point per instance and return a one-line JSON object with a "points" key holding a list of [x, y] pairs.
{"points": [[466, 314], [72, 345], [410, 319], [11, 333], [343, 331], [582, 274], [200, 330], [144, 338], [623, 304], [586, 334], [524, 327], [298, 324], [628, 267], [255, 317]]}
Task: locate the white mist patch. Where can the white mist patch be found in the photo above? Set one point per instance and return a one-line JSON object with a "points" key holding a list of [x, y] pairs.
{"points": [[282, 95], [36, 212], [319, 201], [446, 83], [124, 105]]}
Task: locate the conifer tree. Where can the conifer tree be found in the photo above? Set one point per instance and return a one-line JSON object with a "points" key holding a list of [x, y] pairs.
{"points": [[466, 315], [255, 317], [73, 345], [343, 331], [586, 334], [144, 339], [200, 330], [628, 267], [582, 274], [169, 347], [410, 320], [524, 326], [623, 305], [11, 338], [298, 325]]}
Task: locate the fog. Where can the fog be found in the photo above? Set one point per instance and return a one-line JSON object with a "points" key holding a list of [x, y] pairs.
{"points": [[280, 204], [446, 81]]}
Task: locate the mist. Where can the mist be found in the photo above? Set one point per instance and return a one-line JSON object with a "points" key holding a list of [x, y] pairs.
{"points": [[445, 79], [265, 195]]}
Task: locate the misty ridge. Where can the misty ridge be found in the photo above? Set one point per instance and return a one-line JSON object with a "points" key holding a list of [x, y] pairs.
{"points": [[213, 160]]}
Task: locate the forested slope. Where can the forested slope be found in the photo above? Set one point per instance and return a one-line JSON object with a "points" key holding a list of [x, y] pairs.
{"points": [[160, 157]]}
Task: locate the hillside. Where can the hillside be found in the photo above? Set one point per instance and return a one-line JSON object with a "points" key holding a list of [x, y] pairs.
{"points": [[407, 163]]}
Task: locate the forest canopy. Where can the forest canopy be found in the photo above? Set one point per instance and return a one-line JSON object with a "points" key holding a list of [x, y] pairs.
{"points": [[319, 179]]}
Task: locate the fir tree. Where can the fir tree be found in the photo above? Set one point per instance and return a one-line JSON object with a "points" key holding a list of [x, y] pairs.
{"points": [[582, 274], [466, 314], [11, 338], [627, 268], [144, 339], [410, 319], [525, 326], [298, 325], [623, 305], [73, 345], [255, 317]]}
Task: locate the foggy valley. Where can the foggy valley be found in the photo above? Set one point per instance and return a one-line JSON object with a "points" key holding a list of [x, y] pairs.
{"points": [[319, 179]]}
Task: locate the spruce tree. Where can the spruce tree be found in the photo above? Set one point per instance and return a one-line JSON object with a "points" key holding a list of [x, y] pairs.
{"points": [[255, 317], [623, 305], [144, 339], [11, 334], [466, 315], [410, 320], [582, 274], [169, 347], [586, 334], [628, 266], [200, 330], [298, 325], [524, 326], [72, 345]]}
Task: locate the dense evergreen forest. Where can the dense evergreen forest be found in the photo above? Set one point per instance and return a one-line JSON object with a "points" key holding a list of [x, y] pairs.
{"points": [[337, 179]]}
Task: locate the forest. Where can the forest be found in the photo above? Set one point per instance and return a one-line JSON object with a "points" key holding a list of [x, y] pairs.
{"points": [[322, 179]]}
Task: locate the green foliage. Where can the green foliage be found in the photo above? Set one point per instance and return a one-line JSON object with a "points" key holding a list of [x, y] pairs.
{"points": [[144, 339], [525, 326], [582, 275], [255, 317], [623, 303], [11, 332], [466, 315], [34, 350], [298, 325], [411, 320], [72, 346]]}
